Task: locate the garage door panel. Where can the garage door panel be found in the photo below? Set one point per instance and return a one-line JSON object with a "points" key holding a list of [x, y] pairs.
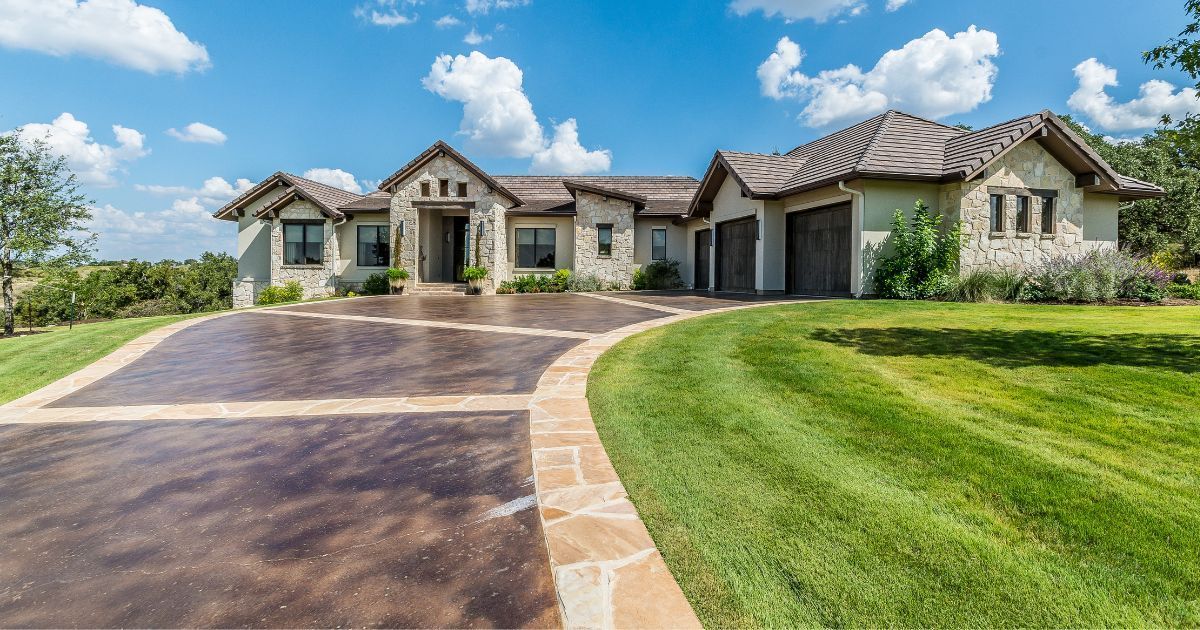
{"points": [[819, 251], [736, 255]]}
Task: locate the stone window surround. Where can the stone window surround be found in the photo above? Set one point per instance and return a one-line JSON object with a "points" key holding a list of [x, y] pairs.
{"points": [[1041, 194]]}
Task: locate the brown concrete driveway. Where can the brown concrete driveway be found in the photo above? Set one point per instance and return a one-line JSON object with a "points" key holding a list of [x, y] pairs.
{"points": [[362, 462]]}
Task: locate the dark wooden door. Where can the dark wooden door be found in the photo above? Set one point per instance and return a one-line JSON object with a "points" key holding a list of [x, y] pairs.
{"points": [[703, 256], [461, 225], [736, 255], [818, 251]]}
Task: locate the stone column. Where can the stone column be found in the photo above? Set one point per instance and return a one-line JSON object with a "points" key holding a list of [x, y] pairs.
{"points": [[406, 246], [490, 251]]}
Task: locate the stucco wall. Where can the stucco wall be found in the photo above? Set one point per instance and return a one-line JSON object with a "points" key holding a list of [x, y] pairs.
{"points": [[564, 242], [881, 199], [593, 210], [253, 249], [1100, 221], [317, 280], [729, 204], [350, 274], [642, 241]]}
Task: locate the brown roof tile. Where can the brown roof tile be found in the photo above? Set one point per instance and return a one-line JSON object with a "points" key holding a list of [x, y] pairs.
{"points": [[664, 195]]}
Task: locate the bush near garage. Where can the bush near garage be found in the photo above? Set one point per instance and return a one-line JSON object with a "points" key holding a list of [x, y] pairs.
{"points": [[289, 292]]}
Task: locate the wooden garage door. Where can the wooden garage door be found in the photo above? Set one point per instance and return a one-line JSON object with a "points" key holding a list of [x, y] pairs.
{"points": [[703, 253], [818, 251], [735, 255]]}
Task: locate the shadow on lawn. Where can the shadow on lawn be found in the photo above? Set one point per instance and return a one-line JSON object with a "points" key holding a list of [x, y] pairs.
{"points": [[1021, 348]]}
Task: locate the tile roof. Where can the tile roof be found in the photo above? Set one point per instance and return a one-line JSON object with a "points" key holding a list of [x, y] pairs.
{"points": [[968, 152], [377, 200], [327, 197], [762, 174], [664, 195]]}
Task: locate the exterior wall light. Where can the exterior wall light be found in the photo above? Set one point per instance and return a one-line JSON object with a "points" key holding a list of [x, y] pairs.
{"points": [[401, 228], [482, 227]]}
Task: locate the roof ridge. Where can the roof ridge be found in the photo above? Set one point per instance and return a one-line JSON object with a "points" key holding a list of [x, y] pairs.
{"points": [[888, 116], [933, 122]]}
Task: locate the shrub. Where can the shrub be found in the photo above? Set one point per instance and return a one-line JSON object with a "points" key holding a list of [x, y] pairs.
{"points": [[661, 275], [149, 308], [289, 292], [376, 284], [475, 273], [397, 274], [584, 284], [1100, 276], [1184, 291], [989, 285], [923, 260], [538, 283], [505, 288], [560, 280], [639, 280]]}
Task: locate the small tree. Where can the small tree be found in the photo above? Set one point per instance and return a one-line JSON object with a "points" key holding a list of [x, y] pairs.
{"points": [[43, 217], [924, 260]]}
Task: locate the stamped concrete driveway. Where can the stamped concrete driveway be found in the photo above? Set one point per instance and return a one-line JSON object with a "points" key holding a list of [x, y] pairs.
{"points": [[349, 463]]}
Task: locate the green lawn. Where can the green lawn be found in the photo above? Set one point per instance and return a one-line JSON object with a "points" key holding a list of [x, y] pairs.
{"points": [[30, 362], [917, 464]]}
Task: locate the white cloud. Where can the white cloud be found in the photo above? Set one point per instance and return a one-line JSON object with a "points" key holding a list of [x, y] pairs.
{"points": [[793, 10], [934, 76], [447, 21], [198, 132], [565, 156], [475, 7], [335, 177], [94, 163], [474, 38], [895, 5], [183, 230], [215, 191], [118, 31], [386, 13], [498, 117], [1155, 99]]}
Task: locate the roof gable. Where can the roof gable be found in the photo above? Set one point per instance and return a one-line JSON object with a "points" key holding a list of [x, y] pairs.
{"points": [[438, 149], [327, 198]]}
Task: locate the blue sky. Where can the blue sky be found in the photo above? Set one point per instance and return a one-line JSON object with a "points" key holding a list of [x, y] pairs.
{"points": [[652, 87]]}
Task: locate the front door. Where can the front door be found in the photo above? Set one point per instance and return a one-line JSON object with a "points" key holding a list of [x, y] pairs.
{"points": [[461, 225], [703, 253]]}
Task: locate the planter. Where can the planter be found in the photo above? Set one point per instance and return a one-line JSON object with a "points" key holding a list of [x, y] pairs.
{"points": [[474, 287], [398, 285]]}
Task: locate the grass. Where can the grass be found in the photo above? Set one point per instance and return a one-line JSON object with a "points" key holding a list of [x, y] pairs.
{"points": [[917, 464], [30, 362]]}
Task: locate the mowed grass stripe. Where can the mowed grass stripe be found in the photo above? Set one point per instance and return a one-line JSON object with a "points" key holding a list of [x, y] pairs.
{"points": [[917, 464]]}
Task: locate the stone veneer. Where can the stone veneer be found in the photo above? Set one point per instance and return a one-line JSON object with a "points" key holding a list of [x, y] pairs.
{"points": [[317, 280], [486, 206], [245, 292], [1026, 166], [592, 210]]}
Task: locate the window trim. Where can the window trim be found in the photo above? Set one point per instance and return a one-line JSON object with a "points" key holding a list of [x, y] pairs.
{"points": [[1052, 204], [653, 231], [1024, 214], [535, 229], [304, 240], [358, 243], [996, 205], [600, 244]]}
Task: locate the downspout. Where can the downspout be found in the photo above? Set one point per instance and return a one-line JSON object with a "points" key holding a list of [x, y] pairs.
{"points": [[857, 234]]}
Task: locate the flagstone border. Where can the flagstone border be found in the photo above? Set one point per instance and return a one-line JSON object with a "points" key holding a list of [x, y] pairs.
{"points": [[607, 571]]}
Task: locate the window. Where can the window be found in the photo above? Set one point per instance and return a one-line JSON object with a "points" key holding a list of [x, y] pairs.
{"points": [[1049, 221], [303, 243], [443, 188], [535, 248], [462, 189], [604, 238], [1024, 224], [997, 213], [373, 249], [658, 244], [424, 189]]}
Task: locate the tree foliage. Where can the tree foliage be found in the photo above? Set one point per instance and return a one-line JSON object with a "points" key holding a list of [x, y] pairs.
{"points": [[924, 259], [43, 217]]}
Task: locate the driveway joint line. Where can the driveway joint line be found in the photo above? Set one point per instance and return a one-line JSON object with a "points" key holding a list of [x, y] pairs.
{"points": [[427, 323], [646, 305]]}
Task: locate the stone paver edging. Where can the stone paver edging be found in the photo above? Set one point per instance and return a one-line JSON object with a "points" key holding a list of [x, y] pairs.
{"points": [[607, 570]]}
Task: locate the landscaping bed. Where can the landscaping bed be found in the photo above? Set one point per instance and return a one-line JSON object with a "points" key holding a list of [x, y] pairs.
{"points": [[917, 464]]}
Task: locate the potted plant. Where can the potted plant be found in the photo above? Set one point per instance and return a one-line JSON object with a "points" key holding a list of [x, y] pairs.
{"points": [[474, 277], [398, 278]]}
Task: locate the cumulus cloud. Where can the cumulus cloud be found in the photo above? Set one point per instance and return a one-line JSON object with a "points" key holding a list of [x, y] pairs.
{"points": [[498, 117], [118, 31], [1155, 99], [447, 21], [794, 10], [386, 12], [473, 38], [198, 132], [183, 230], [335, 177], [475, 7], [934, 76], [215, 191], [895, 5], [94, 163]]}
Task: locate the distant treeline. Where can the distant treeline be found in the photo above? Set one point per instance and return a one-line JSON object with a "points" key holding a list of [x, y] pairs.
{"points": [[130, 288]]}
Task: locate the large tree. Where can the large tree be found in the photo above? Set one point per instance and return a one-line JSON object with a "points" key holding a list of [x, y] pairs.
{"points": [[43, 217]]}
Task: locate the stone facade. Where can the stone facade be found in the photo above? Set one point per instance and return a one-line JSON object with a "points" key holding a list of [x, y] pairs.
{"points": [[593, 210], [317, 280], [245, 292], [490, 251], [1026, 166]]}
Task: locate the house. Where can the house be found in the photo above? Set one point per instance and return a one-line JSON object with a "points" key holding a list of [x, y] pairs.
{"points": [[812, 221]]}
